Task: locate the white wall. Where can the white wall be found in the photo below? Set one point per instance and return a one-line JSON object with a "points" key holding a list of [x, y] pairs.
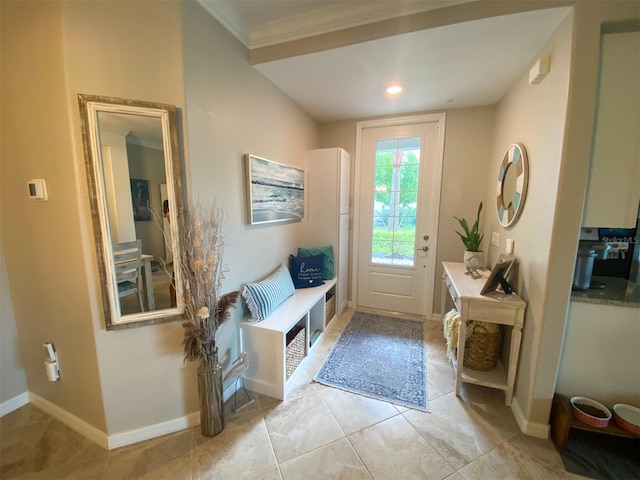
{"points": [[117, 187], [600, 356]]}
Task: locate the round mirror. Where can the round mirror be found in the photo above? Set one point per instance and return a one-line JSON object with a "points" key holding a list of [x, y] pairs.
{"points": [[511, 191]]}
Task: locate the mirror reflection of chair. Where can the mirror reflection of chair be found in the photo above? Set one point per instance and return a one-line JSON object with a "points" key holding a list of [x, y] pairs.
{"points": [[127, 263]]}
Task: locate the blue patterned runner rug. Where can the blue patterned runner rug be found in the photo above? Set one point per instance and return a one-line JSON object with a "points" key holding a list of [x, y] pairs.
{"points": [[379, 357]]}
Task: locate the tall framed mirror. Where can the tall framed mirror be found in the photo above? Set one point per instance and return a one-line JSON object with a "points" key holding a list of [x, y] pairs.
{"points": [[132, 160]]}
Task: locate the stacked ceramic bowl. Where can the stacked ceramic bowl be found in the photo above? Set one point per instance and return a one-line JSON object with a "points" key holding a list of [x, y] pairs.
{"points": [[628, 417], [590, 412]]}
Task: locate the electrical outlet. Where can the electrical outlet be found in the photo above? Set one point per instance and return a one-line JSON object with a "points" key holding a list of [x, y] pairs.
{"points": [[495, 239]]}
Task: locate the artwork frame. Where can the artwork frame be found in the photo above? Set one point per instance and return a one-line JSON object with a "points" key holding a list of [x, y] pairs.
{"points": [[275, 191], [140, 200]]}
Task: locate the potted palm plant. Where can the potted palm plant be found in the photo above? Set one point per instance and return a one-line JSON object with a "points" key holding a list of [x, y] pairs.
{"points": [[473, 256]]}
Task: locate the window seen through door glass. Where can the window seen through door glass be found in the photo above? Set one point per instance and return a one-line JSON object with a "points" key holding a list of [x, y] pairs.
{"points": [[395, 201]]}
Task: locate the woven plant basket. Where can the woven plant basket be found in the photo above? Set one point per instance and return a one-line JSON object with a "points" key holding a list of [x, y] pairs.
{"points": [[482, 348], [330, 309], [296, 351]]}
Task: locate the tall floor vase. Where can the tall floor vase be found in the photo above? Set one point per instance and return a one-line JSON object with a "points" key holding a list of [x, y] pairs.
{"points": [[210, 395]]}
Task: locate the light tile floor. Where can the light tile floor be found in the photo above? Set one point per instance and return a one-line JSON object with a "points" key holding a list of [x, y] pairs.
{"points": [[318, 433]]}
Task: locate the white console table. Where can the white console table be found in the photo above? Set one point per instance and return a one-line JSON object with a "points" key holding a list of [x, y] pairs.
{"points": [[495, 307]]}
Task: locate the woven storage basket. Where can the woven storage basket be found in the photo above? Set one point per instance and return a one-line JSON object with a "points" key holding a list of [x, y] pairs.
{"points": [[330, 309], [296, 351], [482, 348]]}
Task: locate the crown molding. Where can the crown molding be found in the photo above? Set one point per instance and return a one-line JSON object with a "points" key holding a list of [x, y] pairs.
{"points": [[337, 17], [229, 20]]}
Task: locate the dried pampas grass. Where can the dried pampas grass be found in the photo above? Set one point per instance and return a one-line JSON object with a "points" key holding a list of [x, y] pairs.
{"points": [[202, 271]]}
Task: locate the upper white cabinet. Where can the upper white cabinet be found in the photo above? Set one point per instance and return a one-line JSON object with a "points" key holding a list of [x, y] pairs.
{"points": [[328, 209], [614, 179]]}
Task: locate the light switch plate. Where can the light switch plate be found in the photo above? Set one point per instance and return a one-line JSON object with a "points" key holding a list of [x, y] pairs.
{"points": [[510, 245], [495, 239]]}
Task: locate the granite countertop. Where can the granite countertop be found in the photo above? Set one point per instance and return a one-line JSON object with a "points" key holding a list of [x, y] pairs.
{"points": [[618, 292]]}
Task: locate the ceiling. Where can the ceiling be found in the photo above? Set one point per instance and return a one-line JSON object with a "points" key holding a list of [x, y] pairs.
{"points": [[460, 65]]}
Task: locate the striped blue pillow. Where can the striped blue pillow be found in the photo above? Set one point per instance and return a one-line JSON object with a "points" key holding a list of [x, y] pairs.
{"points": [[265, 296]]}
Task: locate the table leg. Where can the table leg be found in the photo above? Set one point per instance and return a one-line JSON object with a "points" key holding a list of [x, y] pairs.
{"points": [[443, 301], [148, 285], [462, 333], [516, 338]]}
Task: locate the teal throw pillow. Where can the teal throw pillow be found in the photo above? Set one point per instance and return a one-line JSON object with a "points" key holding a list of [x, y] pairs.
{"points": [[327, 266]]}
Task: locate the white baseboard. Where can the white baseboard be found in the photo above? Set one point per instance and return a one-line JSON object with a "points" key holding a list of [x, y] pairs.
{"points": [[130, 437], [70, 420], [14, 403], [136, 435], [538, 430], [120, 439]]}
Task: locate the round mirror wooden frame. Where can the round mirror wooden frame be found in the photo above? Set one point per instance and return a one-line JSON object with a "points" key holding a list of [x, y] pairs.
{"points": [[514, 175]]}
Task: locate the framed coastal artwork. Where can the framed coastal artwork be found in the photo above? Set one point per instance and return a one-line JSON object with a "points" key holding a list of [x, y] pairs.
{"points": [[275, 192], [140, 200]]}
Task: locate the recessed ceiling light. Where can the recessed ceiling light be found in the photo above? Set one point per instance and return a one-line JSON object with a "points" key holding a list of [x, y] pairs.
{"points": [[394, 89]]}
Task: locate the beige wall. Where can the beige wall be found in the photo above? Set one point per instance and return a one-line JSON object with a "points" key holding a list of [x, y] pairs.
{"points": [[340, 134], [465, 174], [533, 115], [588, 18], [553, 120], [111, 379], [232, 110], [44, 242], [13, 381], [148, 163], [138, 366]]}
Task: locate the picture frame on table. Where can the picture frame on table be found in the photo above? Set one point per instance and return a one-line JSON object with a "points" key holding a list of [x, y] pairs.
{"points": [[498, 277]]}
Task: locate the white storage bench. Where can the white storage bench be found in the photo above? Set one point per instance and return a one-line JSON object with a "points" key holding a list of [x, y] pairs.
{"points": [[274, 359]]}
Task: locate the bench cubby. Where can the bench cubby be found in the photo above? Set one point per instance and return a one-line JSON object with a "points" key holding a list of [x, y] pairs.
{"points": [[272, 367]]}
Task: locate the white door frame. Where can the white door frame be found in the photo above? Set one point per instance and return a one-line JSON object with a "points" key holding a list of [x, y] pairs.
{"points": [[435, 208]]}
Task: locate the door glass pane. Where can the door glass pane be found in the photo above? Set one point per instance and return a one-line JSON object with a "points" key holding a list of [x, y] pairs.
{"points": [[395, 201]]}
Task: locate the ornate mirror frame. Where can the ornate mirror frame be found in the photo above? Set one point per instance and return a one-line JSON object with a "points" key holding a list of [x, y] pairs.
{"points": [[102, 177], [514, 167]]}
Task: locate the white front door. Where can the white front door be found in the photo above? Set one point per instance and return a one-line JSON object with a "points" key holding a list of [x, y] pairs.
{"points": [[400, 171]]}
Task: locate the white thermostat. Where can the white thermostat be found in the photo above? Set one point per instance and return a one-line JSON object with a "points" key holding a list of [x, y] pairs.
{"points": [[38, 189]]}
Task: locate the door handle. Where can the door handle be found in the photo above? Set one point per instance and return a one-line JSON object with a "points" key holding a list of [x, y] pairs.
{"points": [[425, 249]]}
